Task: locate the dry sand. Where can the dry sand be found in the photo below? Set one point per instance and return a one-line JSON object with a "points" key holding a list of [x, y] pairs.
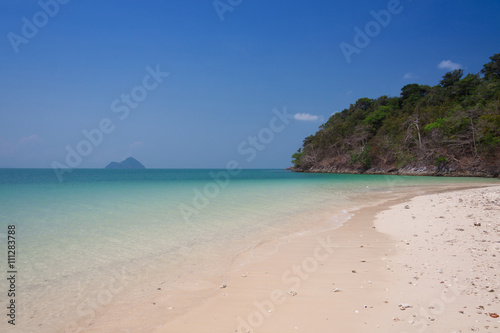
{"points": [[427, 264], [448, 263]]}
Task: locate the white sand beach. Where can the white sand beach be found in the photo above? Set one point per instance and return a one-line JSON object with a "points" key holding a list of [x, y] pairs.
{"points": [[429, 264]]}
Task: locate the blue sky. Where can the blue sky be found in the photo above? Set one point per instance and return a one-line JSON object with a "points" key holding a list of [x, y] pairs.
{"points": [[225, 76]]}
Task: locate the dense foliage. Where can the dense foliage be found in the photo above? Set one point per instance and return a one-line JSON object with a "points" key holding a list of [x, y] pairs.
{"points": [[451, 127]]}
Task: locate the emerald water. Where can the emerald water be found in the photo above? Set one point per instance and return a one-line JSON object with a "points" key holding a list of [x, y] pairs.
{"points": [[99, 234]]}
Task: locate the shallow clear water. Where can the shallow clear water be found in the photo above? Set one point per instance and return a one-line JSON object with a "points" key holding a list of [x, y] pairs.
{"points": [[75, 237]]}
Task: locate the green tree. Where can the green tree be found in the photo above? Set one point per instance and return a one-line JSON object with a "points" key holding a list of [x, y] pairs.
{"points": [[296, 158], [413, 91], [455, 124], [450, 78], [376, 118], [468, 85], [491, 70]]}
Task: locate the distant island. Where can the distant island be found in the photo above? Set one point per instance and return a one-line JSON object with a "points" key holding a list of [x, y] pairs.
{"points": [[452, 129], [128, 163]]}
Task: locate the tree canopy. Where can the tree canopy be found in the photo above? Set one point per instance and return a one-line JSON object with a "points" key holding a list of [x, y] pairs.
{"points": [[451, 127]]}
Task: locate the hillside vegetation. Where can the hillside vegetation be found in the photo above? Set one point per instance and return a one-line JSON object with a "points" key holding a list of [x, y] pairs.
{"points": [[452, 128]]}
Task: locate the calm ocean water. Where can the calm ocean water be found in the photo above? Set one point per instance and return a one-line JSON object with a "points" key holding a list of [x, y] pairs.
{"points": [[82, 244]]}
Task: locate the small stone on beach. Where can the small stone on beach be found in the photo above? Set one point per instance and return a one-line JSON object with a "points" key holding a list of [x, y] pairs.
{"points": [[404, 306]]}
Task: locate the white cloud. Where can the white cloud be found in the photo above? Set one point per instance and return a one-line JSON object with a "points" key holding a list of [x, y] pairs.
{"points": [[306, 117], [448, 64], [135, 144], [409, 76], [9, 147], [28, 139]]}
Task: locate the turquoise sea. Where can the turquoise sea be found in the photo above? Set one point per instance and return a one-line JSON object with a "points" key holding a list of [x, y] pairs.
{"points": [[94, 239]]}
